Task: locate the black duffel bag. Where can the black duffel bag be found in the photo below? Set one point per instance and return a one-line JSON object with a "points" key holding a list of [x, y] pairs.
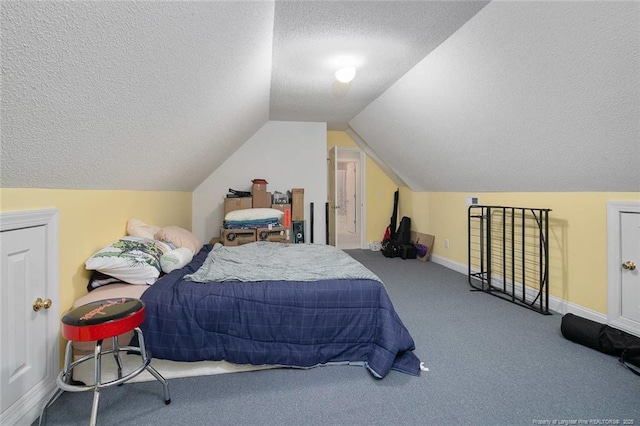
{"points": [[390, 249], [603, 338]]}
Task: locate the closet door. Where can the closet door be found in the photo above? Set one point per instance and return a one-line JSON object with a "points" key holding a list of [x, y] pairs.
{"points": [[29, 330], [623, 265], [630, 256]]}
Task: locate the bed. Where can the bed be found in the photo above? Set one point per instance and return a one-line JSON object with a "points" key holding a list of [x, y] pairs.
{"points": [[265, 305]]}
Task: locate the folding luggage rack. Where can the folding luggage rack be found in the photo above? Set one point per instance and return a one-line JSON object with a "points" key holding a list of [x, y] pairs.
{"points": [[508, 254]]}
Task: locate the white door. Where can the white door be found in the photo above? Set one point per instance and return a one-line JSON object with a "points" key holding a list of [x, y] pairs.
{"points": [[29, 339], [630, 256], [623, 247], [331, 192], [346, 201]]}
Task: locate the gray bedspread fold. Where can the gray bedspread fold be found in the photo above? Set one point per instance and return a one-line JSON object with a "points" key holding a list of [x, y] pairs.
{"points": [[266, 261]]}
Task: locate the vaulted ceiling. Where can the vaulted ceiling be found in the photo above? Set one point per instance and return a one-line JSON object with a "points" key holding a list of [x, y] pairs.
{"points": [[451, 95]]}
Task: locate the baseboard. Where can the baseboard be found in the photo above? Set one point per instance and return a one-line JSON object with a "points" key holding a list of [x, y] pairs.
{"points": [[556, 304], [458, 267], [27, 409]]}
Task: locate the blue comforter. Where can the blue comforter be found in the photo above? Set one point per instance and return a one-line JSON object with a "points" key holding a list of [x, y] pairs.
{"points": [[296, 324]]}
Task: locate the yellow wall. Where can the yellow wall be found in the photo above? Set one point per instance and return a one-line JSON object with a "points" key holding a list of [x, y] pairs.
{"points": [[379, 189], [89, 220], [578, 242], [577, 229]]}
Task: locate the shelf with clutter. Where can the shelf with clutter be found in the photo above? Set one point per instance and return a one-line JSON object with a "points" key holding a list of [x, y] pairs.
{"points": [[259, 215]]}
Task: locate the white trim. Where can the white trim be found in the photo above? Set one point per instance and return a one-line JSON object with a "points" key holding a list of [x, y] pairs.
{"points": [[614, 309], [25, 219], [458, 267], [556, 304], [363, 201], [397, 180], [27, 409]]}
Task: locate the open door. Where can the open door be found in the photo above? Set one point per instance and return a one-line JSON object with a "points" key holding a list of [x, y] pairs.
{"points": [[331, 173], [346, 202]]}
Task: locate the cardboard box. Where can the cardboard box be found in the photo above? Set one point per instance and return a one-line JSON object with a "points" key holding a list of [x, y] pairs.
{"points": [[276, 234], [232, 204], [424, 239], [237, 237], [261, 199], [259, 185], [214, 240], [297, 204]]}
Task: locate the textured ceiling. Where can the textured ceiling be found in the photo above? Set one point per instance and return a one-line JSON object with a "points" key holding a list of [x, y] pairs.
{"points": [[156, 95], [128, 94], [449, 95], [382, 39]]}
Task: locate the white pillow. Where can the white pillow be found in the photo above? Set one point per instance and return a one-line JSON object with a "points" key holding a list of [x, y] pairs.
{"points": [[175, 259], [137, 228], [179, 237], [254, 214], [130, 259]]}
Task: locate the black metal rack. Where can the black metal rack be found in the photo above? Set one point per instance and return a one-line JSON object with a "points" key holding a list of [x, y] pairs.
{"points": [[508, 254]]}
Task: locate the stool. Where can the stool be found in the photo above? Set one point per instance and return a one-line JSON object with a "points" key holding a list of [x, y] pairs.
{"points": [[100, 320]]}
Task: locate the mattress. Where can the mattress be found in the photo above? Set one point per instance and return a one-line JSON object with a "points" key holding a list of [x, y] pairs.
{"points": [[286, 323]]}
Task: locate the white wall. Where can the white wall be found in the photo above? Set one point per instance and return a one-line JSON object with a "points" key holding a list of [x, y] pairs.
{"points": [[526, 96], [287, 155]]}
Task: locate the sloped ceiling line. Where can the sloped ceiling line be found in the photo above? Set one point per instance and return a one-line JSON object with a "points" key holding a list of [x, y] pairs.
{"points": [[376, 159]]}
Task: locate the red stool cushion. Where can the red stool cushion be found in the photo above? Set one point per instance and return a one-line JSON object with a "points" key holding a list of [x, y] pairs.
{"points": [[102, 319]]}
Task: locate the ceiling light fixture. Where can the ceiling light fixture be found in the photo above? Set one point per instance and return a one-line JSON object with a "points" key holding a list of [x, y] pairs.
{"points": [[345, 75]]}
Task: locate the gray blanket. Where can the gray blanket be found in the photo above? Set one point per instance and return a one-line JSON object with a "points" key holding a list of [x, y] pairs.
{"points": [[265, 261]]}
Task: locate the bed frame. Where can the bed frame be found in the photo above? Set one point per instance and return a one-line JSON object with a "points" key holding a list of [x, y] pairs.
{"points": [[169, 369]]}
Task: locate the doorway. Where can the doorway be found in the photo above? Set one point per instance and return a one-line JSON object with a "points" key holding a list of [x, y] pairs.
{"points": [[346, 202]]}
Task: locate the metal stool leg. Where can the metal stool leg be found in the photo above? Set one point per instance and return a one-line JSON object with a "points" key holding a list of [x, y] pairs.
{"points": [[116, 355], [68, 358], [165, 384], [66, 373], [145, 357], [43, 414], [98, 378]]}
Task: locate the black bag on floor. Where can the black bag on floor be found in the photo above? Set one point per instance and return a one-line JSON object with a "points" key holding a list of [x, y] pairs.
{"points": [[408, 251], [390, 249], [394, 246], [603, 338]]}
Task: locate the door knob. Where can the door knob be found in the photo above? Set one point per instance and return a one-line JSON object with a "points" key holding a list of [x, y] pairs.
{"points": [[39, 303], [629, 265]]}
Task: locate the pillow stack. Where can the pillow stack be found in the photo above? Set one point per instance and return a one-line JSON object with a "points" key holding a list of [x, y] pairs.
{"points": [[143, 255], [133, 260], [187, 246]]}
